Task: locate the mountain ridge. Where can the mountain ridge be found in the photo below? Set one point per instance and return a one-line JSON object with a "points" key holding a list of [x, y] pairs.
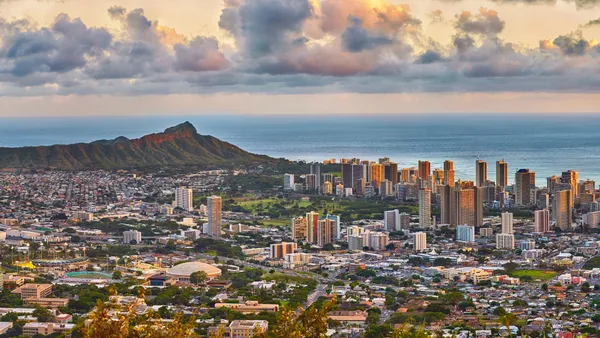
{"points": [[180, 145]]}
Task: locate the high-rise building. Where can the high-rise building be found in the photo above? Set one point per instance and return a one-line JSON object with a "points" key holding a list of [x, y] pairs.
{"points": [[338, 230], [386, 188], [449, 178], [552, 183], [571, 178], [360, 187], [325, 231], [214, 206], [478, 193], [378, 241], [420, 241], [404, 221], [329, 178], [480, 173], [312, 224], [563, 209], [501, 174], [448, 165], [311, 182], [542, 221], [505, 241], [465, 233], [592, 219], [347, 179], [391, 172], [288, 182], [424, 169], [524, 182], [438, 176], [377, 173], [425, 208], [132, 236], [299, 229], [465, 203], [315, 169], [327, 188], [447, 205], [358, 173], [184, 199], [355, 242], [587, 186], [279, 250], [507, 223], [391, 220]]}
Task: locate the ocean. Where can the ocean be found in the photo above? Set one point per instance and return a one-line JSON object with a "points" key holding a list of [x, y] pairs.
{"points": [[546, 144]]}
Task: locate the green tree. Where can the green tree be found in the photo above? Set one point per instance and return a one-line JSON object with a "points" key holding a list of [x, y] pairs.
{"points": [[198, 277], [117, 274]]}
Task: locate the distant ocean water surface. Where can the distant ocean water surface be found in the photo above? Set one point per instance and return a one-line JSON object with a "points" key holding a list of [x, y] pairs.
{"points": [[546, 144]]}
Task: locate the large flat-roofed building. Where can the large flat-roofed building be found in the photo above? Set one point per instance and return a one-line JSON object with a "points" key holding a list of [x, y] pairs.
{"points": [[33, 290], [53, 303], [5, 326], [249, 307], [44, 329], [247, 328]]}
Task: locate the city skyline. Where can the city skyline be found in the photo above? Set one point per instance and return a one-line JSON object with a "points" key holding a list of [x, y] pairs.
{"points": [[324, 57]]}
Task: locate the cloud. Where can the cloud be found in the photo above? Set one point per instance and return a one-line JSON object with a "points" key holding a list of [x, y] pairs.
{"points": [[356, 38], [486, 22], [579, 4], [289, 47]]}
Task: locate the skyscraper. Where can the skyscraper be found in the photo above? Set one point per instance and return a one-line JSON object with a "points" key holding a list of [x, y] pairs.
{"points": [[571, 178], [377, 174], [391, 220], [184, 199], [338, 230], [312, 226], [542, 221], [315, 169], [358, 173], [501, 174], [420, 241], [447, 205], [214, 206], [563, 209], [524, 182], [391, 172], [325, 231], [465, 203], [448, 165], [507, 223], [347, 175], [552, 183], [425, 208], [311, 182], [327, 188], [480, 173], [424, 169]]}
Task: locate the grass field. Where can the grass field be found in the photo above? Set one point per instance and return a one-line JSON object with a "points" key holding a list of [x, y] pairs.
{"points": [[276, 222], [543, 275]]}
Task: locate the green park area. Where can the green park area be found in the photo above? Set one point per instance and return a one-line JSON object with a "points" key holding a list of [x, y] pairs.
{"points": [[349, 210], [534, 275]]}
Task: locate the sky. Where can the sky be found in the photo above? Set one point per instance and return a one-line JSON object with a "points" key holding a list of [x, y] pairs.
{"points": [[127, 57]]}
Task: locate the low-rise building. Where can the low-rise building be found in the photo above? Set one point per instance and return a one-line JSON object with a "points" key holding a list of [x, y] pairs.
{"points": [[44, 329], [249, 307], [33, 290]]}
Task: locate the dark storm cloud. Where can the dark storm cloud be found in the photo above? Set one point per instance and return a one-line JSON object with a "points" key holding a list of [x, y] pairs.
{"points": [[266, 26], [572, 44], [63, 47], [356, 38]]}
